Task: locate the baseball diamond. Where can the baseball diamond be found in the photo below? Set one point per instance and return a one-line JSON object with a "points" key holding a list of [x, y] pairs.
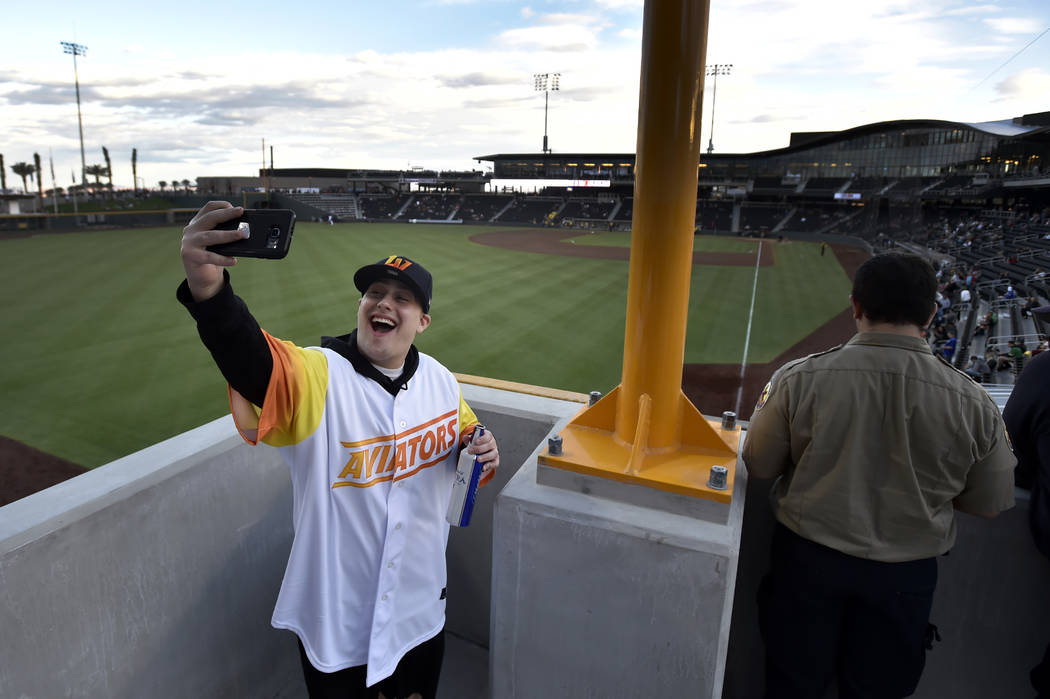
{"points": [[129, 322]]}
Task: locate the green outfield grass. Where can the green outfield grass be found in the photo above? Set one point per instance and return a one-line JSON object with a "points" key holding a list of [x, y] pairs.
{"points": [[99, 360]]}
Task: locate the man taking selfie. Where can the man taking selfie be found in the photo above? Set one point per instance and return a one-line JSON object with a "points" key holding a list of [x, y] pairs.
{"points": [[371, 430]]}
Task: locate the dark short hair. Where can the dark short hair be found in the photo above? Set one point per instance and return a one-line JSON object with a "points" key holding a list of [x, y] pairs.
{"points": [[896, 287]]}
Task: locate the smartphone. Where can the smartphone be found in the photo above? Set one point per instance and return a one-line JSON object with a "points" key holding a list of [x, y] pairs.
{"points": [[269, 234]]}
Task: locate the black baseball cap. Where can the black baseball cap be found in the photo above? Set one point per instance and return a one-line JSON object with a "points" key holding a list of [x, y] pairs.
{"points": [[409, 272]]}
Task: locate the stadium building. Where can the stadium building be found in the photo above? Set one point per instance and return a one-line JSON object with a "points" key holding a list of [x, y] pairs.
{"points": [[903, 156], [891, 175]]}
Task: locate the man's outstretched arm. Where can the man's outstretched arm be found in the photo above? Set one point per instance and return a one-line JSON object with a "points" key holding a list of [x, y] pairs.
{"points": [[224, 324]]}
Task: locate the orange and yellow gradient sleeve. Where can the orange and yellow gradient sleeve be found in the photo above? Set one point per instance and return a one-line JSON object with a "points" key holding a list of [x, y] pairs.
{"points": [[294, 401]]}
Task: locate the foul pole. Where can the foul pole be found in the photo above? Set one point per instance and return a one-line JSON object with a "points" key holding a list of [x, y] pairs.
{"points": [[646, 431]]}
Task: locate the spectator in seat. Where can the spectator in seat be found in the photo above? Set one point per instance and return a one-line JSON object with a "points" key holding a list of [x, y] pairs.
{"points": [[948, 347], [1007, 359], [978, 368]]}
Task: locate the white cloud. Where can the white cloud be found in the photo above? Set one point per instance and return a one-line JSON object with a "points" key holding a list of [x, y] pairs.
{"points": [[972, 10], [803, 65], [1015, 25], [1032, 82], [560, 38]]}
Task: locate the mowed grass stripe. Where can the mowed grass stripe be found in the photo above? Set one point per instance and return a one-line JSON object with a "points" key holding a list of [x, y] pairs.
{"points": [[701, 243], [795, 297], [100, 360]]}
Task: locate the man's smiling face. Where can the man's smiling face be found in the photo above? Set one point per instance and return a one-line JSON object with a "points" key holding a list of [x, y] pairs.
{"points": [[389, 317]]}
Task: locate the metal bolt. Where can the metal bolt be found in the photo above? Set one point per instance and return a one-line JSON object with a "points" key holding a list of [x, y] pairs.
{"points": [[729, 420], [554, 446], [595, 397], [718, 479]]}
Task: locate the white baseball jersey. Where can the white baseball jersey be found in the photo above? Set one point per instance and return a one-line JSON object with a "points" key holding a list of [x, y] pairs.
{"points": [[371, 480]]}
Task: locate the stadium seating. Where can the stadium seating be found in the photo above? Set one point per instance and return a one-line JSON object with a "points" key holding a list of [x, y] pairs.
{"points": [[381, 207], [534, 211], [481, 208], [626, 212], [586, 210], [824, 186], [714, 216], [431, 207], [761, 218]]}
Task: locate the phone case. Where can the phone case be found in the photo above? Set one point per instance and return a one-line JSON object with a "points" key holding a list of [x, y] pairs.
{"points": [[270, 234]]}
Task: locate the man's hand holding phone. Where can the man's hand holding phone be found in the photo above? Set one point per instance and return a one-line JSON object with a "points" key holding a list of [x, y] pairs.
{"points": [[204, 267]]}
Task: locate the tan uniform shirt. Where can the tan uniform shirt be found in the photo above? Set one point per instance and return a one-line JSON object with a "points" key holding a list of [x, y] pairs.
{"points": [[874, 440]]}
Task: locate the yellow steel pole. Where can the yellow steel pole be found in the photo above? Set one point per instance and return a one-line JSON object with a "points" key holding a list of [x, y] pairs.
{"points": [[646, 432], [674, 42]]}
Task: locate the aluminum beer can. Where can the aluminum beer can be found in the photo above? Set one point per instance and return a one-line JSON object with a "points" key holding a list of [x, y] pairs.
{"points": [[465, 486]]}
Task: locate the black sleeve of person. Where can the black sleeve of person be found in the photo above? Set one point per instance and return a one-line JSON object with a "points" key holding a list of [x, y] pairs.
{"points": [[232, 335]]}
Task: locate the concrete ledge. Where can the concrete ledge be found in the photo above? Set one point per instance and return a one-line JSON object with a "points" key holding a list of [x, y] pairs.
{"points": [[155, 575]]}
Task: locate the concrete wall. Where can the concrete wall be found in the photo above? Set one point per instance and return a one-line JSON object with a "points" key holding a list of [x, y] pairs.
{"points": [[156, 575], [992, 607]]}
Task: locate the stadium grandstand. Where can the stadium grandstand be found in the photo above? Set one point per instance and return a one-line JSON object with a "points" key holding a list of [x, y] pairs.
{"points": [[975, 197], [890, 177]]}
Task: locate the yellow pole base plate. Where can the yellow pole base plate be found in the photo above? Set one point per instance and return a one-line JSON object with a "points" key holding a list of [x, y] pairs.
{"points": [[590, 446]]}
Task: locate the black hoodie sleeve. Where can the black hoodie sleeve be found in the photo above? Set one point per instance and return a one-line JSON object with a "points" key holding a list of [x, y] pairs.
{"points": [[237, 344]]}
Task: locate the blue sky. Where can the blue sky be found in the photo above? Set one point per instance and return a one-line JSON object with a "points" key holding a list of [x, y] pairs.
{"points": [[196, 86]]}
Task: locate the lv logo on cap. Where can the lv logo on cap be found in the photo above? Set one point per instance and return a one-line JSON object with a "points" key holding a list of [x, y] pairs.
{"points": [[399, 262]]}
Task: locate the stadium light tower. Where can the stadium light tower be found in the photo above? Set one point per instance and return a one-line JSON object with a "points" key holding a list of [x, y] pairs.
{"points": [[546, 83], [714, 71], [78, 50]]}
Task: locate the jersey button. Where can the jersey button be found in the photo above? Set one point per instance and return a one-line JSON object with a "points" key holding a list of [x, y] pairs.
{"points": [[397, 526], [403, 423], [384, 598], [389, 565]]}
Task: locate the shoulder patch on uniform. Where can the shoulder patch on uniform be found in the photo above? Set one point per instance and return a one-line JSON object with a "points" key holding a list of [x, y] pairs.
{"points": [[764, 395]]}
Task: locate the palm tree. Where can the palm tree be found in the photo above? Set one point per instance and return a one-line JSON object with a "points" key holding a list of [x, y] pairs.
{"points": [[162, 184], [23, 170], [135, 169], [109, 167], [3, 175], [96, 171], [39, 176], [186, 184]]}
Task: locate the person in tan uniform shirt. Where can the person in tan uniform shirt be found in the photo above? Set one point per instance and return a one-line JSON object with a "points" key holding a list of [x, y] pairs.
{"points": [[875, 444]]}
